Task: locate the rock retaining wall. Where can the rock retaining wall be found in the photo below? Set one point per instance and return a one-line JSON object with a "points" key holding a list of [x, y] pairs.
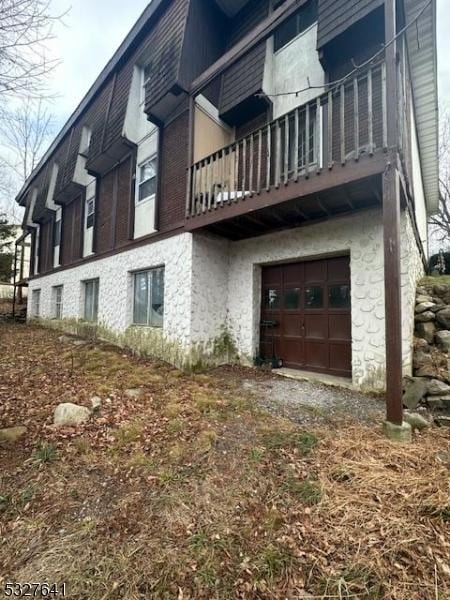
{"points": [[430, 385]]}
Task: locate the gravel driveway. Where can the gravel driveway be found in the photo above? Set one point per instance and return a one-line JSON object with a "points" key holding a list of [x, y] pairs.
{"points": [[313, 403]]}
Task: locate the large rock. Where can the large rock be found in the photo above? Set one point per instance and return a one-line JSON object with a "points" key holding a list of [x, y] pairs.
{"points": [[70, 415], [423, 306], [439, 402], [422, 359], [134, 394], [437, 388], [443, 339], [426, 331], [415, 391], [443, 317], [428, 315], [423, 298], [440, 289], [416, 420], [421, 344], [96, 403], [11, 434]]}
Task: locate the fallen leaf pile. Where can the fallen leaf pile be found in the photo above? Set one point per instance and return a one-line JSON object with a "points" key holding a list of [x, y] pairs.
{"points": [[180, 487]]}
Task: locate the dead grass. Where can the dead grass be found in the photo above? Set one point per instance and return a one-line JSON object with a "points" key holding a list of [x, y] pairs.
{"points": [[191, 492]]}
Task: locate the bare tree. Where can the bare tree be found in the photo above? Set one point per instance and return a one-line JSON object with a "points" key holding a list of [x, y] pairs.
{"points": [[25, 132], [440, 222], [25, 28]]}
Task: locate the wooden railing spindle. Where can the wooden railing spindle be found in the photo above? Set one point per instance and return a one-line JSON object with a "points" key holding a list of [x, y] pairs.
{"points": [[356, 115]]}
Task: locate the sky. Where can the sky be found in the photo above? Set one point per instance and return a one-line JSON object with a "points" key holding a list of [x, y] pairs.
{"points": [[93, 29]]}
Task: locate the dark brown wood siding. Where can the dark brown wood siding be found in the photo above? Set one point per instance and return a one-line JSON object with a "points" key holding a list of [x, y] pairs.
{"points": [[46, 247], [247, 19], [243, 79], [335, 16], [173, 172], [164, 48], [72, 232], [103, 216], [204, 41], [123, 205]]}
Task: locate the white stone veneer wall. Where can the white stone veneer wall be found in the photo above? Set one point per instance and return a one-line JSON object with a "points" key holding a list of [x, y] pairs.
{"points": [[210, 266], [362, 236], [116, 286], [212, 286]]}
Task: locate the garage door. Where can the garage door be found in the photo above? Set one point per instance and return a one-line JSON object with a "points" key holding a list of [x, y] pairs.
{"points": [[309, 302]]}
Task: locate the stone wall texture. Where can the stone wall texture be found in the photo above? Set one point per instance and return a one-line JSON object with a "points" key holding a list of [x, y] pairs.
{"points": [[116, 286], [212, 287]]}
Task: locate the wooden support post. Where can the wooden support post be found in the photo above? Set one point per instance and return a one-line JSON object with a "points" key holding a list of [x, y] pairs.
{"points": [[391, 227]]}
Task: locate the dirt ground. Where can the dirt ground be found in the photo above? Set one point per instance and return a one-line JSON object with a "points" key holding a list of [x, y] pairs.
{"points": [[198, 486]]}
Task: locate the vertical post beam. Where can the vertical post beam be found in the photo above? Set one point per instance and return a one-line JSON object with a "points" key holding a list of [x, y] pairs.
{"points": [[14, 281], [391, 228]]}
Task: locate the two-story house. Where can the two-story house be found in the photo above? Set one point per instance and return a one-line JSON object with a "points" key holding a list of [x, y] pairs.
{"points": [[245, 163]]}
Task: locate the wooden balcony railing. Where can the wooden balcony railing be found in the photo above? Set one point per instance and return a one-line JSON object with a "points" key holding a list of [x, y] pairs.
{"points": [[340, 125]]}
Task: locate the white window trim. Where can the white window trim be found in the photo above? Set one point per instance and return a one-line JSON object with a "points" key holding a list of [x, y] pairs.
{"points": [[139, 183]]}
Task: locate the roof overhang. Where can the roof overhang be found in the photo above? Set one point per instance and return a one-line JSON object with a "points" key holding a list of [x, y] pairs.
{"points": [[422, 53], [231, 7]]}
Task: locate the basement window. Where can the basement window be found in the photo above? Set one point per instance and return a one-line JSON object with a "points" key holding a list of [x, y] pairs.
{"points": [[36, 303], [58, 301], [91, 300], [296, 24], [149, 298]]}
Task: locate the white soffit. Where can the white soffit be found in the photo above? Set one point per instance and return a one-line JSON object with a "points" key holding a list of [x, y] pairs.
{"points": [[421, 40]]}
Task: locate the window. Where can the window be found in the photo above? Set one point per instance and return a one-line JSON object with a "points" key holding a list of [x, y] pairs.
{"points": [[145, 76], [86, 135], [90, 204], [91, 300], [90, 213], [36, 303], [149, 297], [339, 296], [57, 233], [147, 180], [58, 301], [314, 297], [296, 24], [271, 299]]}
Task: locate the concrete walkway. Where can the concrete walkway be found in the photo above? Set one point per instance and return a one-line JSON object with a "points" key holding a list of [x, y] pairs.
{"points": [[311, 402]]}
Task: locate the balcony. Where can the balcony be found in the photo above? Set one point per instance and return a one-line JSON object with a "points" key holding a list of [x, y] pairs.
{"points": [[322, 159]]}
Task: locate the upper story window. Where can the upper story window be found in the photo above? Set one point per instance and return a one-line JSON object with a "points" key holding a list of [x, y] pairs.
{"points": [[90, 205], [90, 213], [57, 232], [296, 24], [147, 180], [145, 74], [86, 135]]}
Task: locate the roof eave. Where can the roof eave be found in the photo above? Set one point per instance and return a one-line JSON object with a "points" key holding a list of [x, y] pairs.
{"points": [[151, 9]]}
